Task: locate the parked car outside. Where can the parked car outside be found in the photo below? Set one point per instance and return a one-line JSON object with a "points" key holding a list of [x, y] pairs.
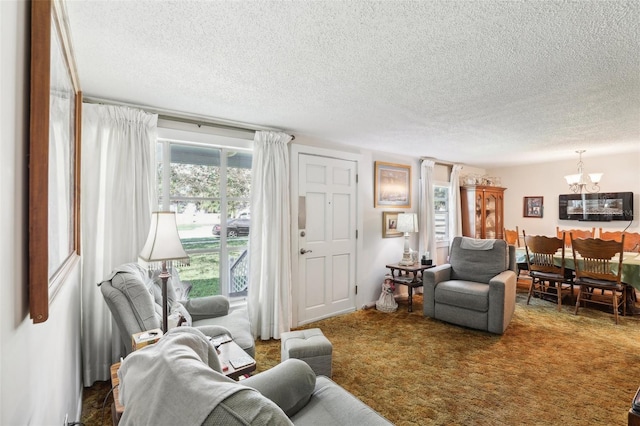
{"points": [[236, 227]]}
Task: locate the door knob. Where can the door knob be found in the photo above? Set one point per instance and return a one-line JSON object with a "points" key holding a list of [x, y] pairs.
{"points": [[303, 251]]}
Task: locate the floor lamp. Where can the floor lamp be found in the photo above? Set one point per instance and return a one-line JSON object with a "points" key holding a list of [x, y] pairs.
{"points": [[163, 244]]}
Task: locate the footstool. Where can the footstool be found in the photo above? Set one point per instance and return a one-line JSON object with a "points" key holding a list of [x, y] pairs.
{"points": [[310, 346]]}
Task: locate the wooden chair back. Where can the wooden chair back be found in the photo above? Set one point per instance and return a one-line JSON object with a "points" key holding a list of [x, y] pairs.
{"points": [[512, 237], [577, 233], [540, 250], [594, 257], [631, 239], [598, 265]]}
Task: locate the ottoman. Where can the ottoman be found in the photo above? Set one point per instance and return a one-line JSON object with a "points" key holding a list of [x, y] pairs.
{"points": [[310, 346]]}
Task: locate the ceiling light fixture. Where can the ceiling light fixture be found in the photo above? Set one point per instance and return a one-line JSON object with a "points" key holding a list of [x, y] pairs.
{"points": [[582, 182]]}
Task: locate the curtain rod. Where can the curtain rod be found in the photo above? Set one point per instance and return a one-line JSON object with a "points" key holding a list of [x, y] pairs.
{"points": [[198, 120], [440, 162]]}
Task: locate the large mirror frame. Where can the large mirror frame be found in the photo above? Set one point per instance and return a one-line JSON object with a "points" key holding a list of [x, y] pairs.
{"points": [[54, 157]]}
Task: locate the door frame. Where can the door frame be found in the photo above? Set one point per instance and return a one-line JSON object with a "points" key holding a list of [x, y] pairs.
{"points": [[295, 151]]}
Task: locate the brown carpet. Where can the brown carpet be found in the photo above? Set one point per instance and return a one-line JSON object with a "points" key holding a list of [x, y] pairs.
{"points": [[549, 368]]}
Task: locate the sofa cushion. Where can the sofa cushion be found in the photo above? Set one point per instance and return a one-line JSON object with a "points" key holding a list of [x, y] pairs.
{"points": [[246, 407], [465, 294], [334, 405], [478, 264]]}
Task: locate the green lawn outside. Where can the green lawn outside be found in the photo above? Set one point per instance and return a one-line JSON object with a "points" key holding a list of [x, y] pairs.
{"points": [[203, 271]]}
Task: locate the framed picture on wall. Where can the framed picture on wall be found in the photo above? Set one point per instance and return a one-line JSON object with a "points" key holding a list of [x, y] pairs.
{"points": [[390, 225], [54, 157], [392, 185], [533, 206]]}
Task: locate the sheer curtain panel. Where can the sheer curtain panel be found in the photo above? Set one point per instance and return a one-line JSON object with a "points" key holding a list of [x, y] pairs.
{"points": [[427, 209], [455, 215], [269, 299], [118, 192]]}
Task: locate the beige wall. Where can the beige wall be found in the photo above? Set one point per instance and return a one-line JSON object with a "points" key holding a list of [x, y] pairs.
{"points": [[621, 173]]}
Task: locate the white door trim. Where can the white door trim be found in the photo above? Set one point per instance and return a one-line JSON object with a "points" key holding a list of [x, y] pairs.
{"points": [[296, 150]]}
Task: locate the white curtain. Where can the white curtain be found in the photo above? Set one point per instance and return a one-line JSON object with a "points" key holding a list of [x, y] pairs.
{"points": [[117, 198], [269, 300], [426, 209], [455, 213]]}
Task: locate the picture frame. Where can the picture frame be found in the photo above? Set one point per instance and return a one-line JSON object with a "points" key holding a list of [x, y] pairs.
{"points": [[54, 157], [533, 207], [392, 185], [390, 224]]}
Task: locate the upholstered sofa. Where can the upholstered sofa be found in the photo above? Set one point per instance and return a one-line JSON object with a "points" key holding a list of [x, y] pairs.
{"points": [[178, 380], [476, 289], [134, 298]]}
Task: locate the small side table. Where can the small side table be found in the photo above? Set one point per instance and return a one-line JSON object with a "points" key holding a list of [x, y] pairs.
{"points": [[409, 275], [230, 352], [116, 408]]}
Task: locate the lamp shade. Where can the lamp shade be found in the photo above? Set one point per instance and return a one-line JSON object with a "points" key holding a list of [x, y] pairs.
{"points": [[407, 222], [163, 242]]}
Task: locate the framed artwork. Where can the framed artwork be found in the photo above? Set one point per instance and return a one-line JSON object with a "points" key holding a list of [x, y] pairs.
{"points": [[54, 157], [390, 225], [392, 185], [533, 207]]}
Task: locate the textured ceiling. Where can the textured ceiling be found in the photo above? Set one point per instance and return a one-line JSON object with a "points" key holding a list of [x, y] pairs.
{"points": [[485, 83]]}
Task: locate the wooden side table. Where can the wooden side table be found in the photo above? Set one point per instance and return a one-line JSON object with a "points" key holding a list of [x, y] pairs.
{"points": [[116, 408], [409, 275]]}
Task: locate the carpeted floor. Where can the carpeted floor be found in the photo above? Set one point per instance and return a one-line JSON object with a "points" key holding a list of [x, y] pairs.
{"points": [[549, 368]]}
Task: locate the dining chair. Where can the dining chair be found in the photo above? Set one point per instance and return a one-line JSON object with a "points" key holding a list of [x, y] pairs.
{"points": [[578, 233], [598, 265], [512, 237], [547, 278], [631, 239]]}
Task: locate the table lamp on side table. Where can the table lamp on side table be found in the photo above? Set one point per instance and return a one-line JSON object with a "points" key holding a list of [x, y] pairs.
{"points": [[407, 222], [163, 244]]}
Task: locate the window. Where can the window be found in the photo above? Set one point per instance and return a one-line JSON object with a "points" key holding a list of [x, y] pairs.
{"points": [[209, 189], [441, 207]]}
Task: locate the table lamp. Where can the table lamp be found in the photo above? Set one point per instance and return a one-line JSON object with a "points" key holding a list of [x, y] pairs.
{"points": [[407, 222], [163, 244]]}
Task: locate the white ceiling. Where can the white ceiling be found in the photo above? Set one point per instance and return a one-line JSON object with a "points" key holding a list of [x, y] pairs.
{"points": [[486, 83]]}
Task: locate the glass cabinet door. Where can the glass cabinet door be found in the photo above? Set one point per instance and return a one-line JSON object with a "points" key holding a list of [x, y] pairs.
{"points": [[490, 218]]}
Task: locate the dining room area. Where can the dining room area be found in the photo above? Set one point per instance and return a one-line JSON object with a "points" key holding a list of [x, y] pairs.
{"points": [[580, 268]]}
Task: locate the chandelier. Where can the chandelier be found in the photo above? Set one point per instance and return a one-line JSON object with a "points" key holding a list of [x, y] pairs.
{"points": [[582, 182]]}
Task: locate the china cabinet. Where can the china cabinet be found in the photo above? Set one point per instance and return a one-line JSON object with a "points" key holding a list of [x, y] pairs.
{"points": [[482, 211]]}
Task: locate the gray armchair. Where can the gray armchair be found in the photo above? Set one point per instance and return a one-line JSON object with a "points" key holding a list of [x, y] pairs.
{"points": [[135, 301], [476, 289]]}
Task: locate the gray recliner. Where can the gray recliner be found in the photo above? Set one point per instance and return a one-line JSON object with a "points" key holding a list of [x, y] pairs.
{"points": [[135, 301], [476, 289]]}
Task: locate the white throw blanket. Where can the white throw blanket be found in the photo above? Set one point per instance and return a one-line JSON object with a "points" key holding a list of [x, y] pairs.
{"points": [[474, 244], [176, 381]]}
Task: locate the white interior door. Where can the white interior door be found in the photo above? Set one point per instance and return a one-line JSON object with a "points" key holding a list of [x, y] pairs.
{"points": [[327, 192]]}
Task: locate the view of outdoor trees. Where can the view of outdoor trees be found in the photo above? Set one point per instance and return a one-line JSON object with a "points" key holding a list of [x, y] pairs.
{"points": [[197, 188]]}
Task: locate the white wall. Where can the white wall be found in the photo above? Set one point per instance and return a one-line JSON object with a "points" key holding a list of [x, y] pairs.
{"points": [[40, 365], [621, 173]]}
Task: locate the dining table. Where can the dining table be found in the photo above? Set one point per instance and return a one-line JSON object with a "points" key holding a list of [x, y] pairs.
{"points": [[630, 264]]}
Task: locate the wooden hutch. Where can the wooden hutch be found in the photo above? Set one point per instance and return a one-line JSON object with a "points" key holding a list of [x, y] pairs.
{"points": [[482, 211]]}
